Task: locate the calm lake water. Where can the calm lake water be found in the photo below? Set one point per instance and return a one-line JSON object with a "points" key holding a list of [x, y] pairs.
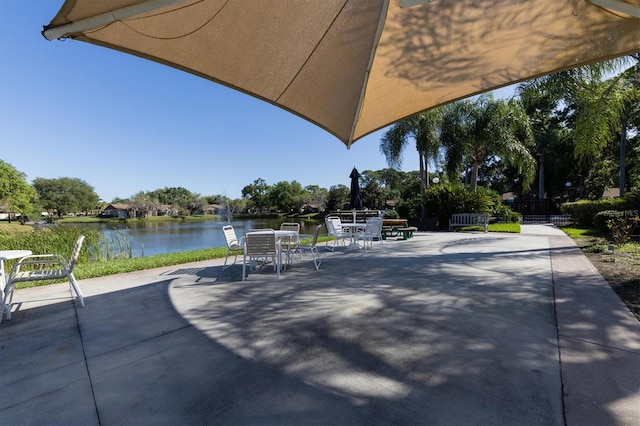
{"points": [[151, 238]]}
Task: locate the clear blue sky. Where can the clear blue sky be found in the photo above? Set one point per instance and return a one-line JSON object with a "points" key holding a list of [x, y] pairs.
{"points": [[124, 124]]}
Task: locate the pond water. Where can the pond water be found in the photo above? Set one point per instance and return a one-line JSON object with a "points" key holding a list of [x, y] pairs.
{"points": [[149, 238]]}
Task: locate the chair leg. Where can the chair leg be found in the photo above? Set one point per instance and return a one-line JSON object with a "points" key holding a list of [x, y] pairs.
{"points": [[244, 267], [315, 255], [235, 258], [332, 248], [6, 301], [74, 285], [226, 257], [2, 308]]}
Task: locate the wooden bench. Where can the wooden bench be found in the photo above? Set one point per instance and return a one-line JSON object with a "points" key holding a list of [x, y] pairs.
{"points": [[469, 219]]}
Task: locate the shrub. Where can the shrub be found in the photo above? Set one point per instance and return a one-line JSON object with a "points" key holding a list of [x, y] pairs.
{"points": [[581, 213], [632, 199], [622, 226], [391, 214], [409, 207], [601, 219], [444, 200], [504, 214]]}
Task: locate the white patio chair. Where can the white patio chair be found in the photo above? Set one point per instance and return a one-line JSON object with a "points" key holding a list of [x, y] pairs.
{"points": [[261, 247], [233, 244], [335, 230], [371, 232], [42, 267], [292, 244], [312, 248]]}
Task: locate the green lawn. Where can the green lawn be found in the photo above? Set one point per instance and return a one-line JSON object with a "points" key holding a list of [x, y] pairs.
{"points": [[512, 227]]}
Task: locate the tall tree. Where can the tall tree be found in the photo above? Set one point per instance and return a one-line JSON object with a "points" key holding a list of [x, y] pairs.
{"points": [[257, 193], [372, 190], [423, 129], [142, 204], [66, 195], [553, 142], [286, 196], [316, 196], [16, 195], [475, 131], [602, 101], [338, 197]]}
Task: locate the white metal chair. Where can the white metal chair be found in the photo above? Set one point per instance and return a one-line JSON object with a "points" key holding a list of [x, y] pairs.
{"points": [[291, 244], [312, 248], [261, 247], [233, 244], [371, 232], [42, 267], [335, 230]]}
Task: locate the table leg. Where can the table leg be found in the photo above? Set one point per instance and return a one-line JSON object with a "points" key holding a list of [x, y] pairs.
{"points": [[354, 243]]}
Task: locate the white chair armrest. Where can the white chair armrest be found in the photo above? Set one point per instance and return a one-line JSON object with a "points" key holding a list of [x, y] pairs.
{"points": [[42, 261], [42, 257]]}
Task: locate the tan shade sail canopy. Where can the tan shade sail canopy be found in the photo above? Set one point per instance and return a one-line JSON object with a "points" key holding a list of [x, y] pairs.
{"points": [[355, 66]]}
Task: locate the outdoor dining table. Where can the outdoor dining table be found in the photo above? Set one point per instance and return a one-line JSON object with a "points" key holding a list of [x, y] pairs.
{"points": [[6, 255], [353, 229]]}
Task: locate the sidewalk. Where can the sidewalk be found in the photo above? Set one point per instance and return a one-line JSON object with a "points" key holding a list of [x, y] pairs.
{"points": [[444, 328]]}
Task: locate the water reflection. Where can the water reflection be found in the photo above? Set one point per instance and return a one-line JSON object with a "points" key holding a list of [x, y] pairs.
{"points": [[149, 238]]}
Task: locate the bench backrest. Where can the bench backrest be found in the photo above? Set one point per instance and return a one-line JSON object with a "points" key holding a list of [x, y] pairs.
{"points": [[469, 218]]}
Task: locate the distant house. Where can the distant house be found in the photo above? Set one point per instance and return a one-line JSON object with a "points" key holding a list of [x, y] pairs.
{"points": [[166, 210], [117, 210], [212, 209], [5, 214]]}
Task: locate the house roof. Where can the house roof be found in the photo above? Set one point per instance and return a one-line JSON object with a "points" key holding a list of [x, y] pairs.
{"points": [[118, 206]]}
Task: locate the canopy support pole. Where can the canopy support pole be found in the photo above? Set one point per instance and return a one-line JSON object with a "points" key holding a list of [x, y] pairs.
{"points": [[105, 18]]}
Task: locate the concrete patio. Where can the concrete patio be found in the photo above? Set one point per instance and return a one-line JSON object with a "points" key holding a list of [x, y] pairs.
{"points": [[447, 328]]}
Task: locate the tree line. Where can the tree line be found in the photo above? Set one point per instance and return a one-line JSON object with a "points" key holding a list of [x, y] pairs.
{"points": [[577, 130], [62, 196]]}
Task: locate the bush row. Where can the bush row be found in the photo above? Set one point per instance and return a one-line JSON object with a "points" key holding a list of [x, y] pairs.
{"points": [[444, 200], [588, 213]]}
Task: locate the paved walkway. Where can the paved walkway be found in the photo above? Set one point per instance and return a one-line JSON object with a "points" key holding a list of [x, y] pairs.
{"points": [[448, 328]]}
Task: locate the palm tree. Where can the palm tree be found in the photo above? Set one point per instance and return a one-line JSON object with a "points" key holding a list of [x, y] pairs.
{"points": [[474, 131], [424, 130], [553, 144], [602, 108]]}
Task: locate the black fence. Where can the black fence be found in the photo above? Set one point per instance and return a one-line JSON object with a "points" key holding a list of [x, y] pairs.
{"points": [[556, 219], [535, 207], [539, 211]]}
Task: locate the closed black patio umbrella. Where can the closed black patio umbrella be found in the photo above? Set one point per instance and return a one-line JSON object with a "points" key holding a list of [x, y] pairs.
{"points": [[355, 201]]}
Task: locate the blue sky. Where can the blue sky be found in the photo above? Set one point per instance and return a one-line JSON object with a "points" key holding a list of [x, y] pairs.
{"points": [[124, 124]]}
